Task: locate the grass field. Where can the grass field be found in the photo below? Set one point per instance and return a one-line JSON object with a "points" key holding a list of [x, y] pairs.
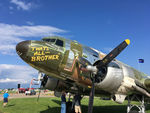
{"points": [[52, 105]]}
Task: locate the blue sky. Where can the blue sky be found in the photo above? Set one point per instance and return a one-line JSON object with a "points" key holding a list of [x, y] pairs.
{"points": [[101, 24]]}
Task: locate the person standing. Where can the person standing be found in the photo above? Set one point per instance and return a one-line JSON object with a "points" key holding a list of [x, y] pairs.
{"points": [[5, 98], [63, 102], [77, 99]]}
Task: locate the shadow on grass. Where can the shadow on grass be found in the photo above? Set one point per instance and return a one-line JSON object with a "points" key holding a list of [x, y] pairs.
{"points": [[51, 110], [96, 109], [10, 105], [57, 102], [148, 107]]}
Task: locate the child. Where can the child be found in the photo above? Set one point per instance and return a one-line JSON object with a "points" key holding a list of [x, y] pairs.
{"points": [[5, 98]]}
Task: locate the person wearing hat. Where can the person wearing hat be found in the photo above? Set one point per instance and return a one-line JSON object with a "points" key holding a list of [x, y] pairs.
{"points": [[5, 98]]}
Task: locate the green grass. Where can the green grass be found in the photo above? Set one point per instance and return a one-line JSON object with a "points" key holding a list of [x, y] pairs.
{"points": [[52, 105]]}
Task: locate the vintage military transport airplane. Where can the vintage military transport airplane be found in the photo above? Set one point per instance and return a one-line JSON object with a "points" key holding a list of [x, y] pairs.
{"points": [[68, 65]]}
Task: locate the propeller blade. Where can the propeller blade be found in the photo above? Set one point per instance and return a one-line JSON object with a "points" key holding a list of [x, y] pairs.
{"points": [[115, 52], [91, 97]]}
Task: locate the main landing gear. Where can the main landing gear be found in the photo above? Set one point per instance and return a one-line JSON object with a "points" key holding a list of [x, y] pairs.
{"points": [[140, 108]]}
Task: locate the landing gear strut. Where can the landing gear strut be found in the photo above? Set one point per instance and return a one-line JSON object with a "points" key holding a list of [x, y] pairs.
{"points": [[141, 107]]}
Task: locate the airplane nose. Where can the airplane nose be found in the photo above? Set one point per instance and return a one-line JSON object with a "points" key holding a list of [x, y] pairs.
{"points": [[22, 47]]}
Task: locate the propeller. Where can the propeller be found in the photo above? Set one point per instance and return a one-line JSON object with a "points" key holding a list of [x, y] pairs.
{"points": [[95, 70], [91, 97]]}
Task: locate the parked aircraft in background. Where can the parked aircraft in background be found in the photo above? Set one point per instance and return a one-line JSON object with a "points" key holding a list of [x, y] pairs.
{"points": [[70, 66]]}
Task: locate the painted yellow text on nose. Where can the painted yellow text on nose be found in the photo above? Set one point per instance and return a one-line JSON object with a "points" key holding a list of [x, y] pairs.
{"points": [[42, 54]]}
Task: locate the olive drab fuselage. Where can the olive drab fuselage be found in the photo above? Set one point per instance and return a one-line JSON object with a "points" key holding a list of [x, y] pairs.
{"points": [[59, 58], [60, 61]]}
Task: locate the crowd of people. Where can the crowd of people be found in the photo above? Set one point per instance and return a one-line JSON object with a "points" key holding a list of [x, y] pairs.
{"points": [[76, 103]]}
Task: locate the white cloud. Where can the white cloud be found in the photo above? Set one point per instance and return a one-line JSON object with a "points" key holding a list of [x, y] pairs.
{"points": [[27, 31], [7, 49], [16, 73], [30, 23], [21, 5], [8, 80], [12, 34]]}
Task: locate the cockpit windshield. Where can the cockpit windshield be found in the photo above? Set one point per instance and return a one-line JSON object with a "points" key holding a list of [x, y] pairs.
{"points": [[60, 43], [57, 42]]}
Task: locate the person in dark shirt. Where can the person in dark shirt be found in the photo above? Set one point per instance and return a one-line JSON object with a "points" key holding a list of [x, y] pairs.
{"points": [[5, 98], [77, 99], [63, 102]]}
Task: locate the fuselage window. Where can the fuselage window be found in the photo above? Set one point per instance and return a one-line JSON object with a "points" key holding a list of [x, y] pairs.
{"points": [[95, 56], [59, 43]]}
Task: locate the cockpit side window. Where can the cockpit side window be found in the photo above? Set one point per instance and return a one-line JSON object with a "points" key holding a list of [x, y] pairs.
{"points": [[52, 40], [49, 40], [59, 43], [114, 65]]}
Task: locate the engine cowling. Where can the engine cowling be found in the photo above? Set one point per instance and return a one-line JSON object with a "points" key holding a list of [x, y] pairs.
{"points": [[53, 84], [110, 78]]}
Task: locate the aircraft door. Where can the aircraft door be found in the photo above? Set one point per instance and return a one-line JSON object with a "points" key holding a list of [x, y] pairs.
{"points": [[76, 48], [70, 61], [74, 51]]}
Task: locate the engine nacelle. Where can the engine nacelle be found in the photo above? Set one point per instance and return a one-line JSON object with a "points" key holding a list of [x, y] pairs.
{"points": [[119, 98], [53, 84], [111, 80]]}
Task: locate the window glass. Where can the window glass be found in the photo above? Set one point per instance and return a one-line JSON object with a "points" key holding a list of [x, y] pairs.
{"points": [[70, 60], [113, 64], [90, 54], [49, 40], [95, 55], [59, 43], [52, 40]]}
